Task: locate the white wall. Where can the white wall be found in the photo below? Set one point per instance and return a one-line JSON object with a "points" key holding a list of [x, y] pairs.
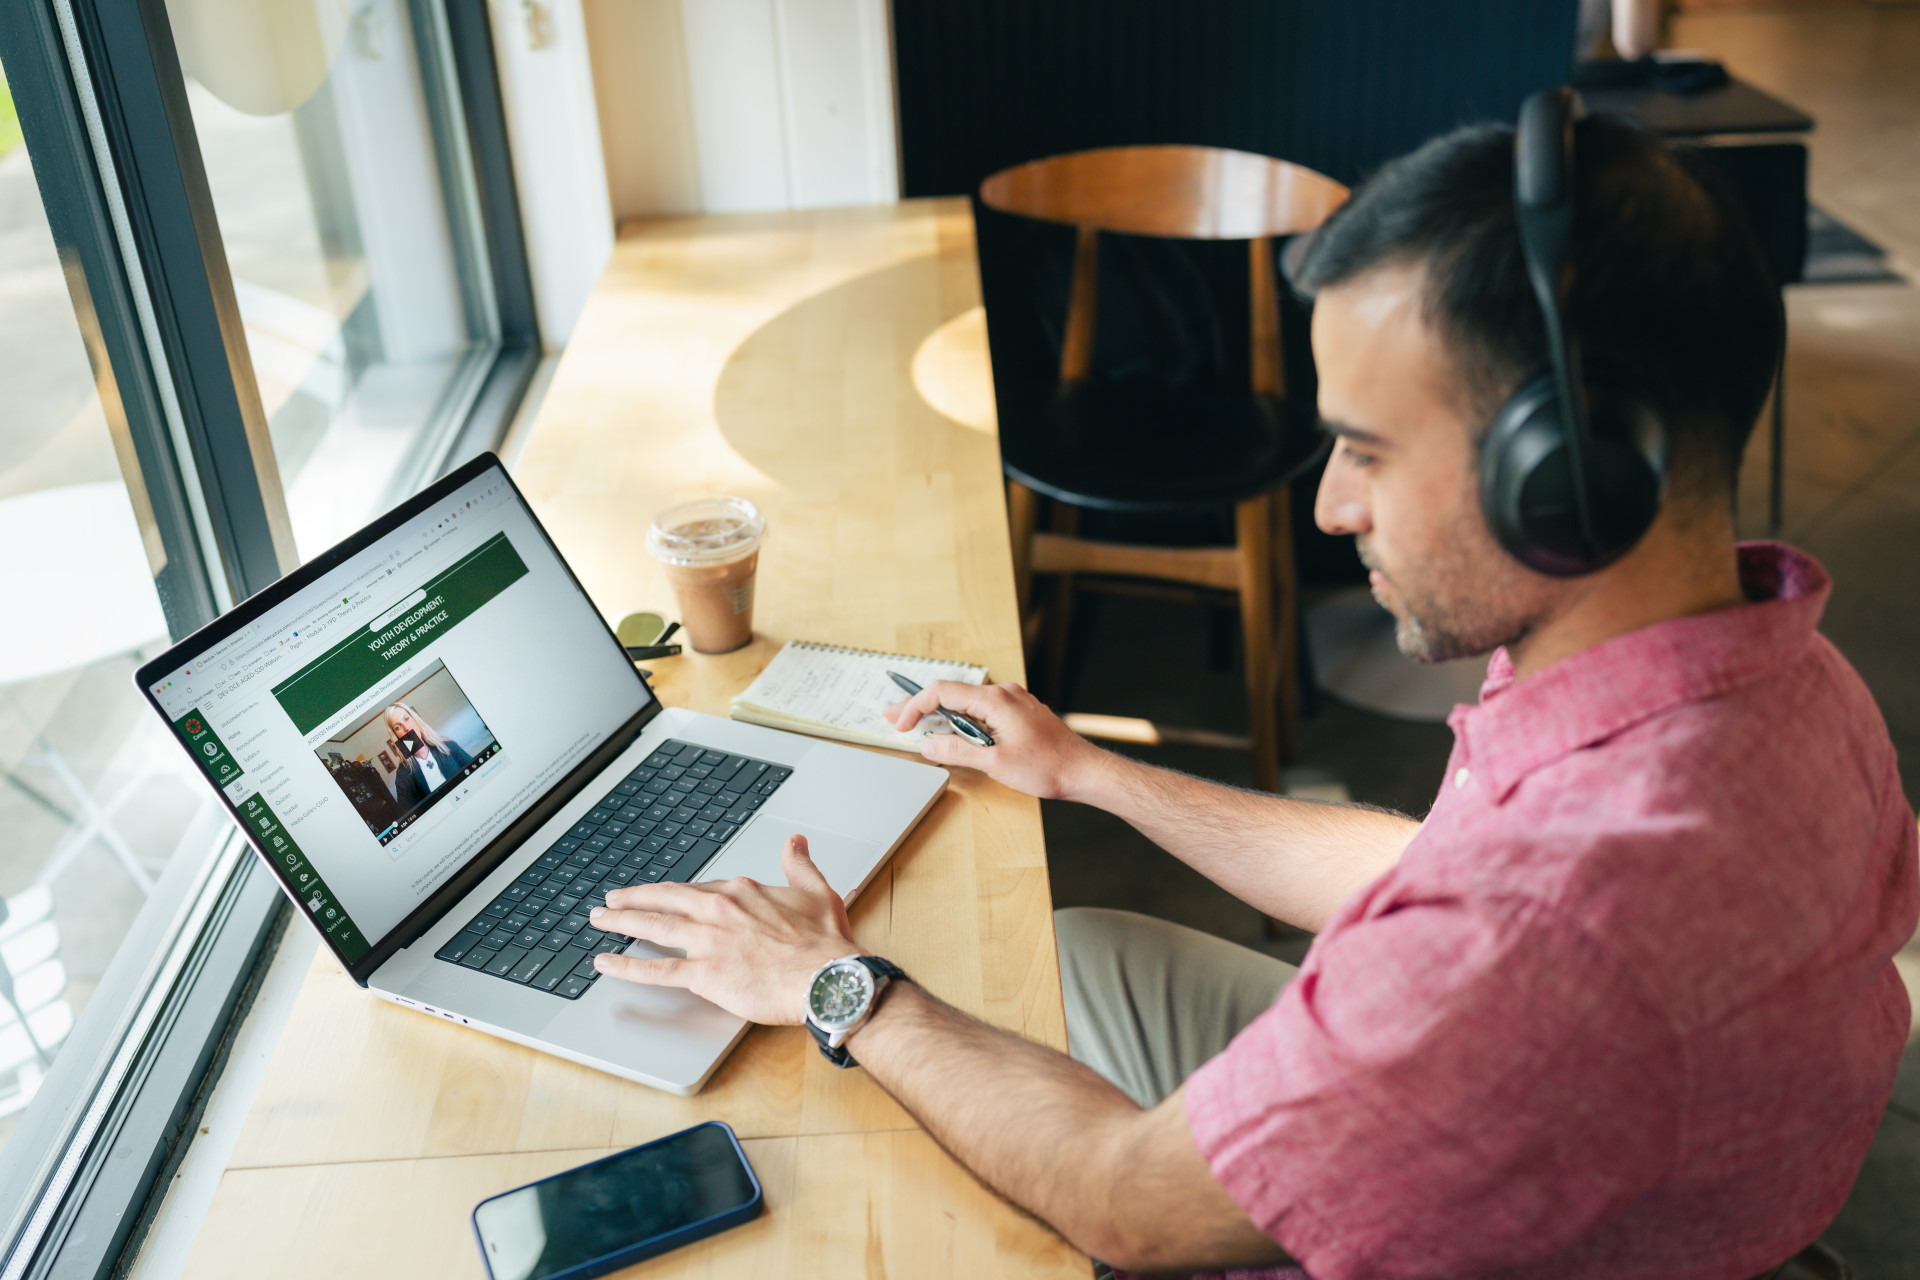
{"points": [[553, 131], [727, 106]]}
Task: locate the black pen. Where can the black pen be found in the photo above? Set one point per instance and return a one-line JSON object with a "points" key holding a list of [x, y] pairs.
{"points": [[964, 727]]}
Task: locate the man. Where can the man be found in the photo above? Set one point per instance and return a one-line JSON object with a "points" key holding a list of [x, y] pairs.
{"points": [[1622, 1004]]}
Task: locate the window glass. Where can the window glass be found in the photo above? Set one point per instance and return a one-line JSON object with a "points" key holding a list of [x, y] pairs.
{"points": [[94, 799], [333, 146]]}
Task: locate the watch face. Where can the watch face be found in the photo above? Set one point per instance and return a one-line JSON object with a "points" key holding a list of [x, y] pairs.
{"points": [[840, 994]]}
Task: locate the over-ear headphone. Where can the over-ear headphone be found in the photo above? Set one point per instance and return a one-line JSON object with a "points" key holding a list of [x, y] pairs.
{"points": [[1573, 466]]}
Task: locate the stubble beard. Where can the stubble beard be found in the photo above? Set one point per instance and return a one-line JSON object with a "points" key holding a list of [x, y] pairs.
{"points": [[1439, 619]]}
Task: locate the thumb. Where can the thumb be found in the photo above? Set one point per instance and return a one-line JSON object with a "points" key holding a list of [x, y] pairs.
{"points": [[797, 861]]}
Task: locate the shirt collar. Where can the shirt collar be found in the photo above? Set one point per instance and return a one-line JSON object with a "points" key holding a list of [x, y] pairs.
{"points": [[1589, 696]]}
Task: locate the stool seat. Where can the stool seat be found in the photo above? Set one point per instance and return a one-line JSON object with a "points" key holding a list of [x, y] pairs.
{"points": [[1137, 445]]}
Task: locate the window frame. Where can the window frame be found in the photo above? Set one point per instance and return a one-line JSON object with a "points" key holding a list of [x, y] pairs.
{"points": [[102, 103]]}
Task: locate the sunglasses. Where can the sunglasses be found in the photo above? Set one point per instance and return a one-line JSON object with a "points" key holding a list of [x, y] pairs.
{"points": [[645, 635]]}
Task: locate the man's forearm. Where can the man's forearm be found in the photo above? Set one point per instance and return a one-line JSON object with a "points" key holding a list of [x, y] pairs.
{"points": [[1055, 1138], [1297, 860]]}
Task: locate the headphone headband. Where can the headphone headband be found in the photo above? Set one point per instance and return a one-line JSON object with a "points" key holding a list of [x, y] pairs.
{"points": [[1543, 204]]}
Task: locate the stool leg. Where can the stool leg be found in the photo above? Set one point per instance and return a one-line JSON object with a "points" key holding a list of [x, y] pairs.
{"points": [[1023, 518], [1286, 632], [1066, 520], [1253, 544]]}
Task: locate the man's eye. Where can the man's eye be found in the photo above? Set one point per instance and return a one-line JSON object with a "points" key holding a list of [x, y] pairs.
{"points": [[1359, 459]]}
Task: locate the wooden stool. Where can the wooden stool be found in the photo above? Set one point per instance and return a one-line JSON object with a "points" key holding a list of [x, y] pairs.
{"points": [[1128, 447]]}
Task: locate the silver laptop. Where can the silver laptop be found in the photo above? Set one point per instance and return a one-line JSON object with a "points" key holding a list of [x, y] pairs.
{"points": [[433, 739]]}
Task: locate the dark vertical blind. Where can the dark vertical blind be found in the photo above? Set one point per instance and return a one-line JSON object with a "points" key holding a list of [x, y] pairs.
{"points": [[1337, 85]]}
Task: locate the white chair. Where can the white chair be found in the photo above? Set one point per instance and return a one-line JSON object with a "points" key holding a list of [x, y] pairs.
{"points": [[34, 1019]]}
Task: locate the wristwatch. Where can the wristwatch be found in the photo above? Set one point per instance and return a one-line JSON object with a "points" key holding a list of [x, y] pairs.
{"points": [[842, 996]]}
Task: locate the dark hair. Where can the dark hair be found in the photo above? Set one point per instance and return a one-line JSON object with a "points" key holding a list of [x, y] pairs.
{"points": [[1670, 291]]}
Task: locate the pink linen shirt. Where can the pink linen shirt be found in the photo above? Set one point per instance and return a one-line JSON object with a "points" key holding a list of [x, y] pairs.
{"points": [[1626, 1005]]}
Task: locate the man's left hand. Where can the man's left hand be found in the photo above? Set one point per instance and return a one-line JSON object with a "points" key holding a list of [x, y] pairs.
{"points": [[750, 948]]}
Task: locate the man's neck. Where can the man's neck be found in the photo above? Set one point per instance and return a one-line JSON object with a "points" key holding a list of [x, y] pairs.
{"points": [[1675, 572]]}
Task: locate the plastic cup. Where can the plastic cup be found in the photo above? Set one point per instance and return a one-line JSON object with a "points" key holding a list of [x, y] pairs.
{"points": [[710, 549]]}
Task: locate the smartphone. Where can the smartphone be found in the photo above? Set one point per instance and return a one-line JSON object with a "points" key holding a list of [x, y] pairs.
{"points": [[619, 1210]]}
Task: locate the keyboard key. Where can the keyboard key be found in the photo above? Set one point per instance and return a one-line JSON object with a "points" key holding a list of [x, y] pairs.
{"points": [[722, 831], [500, 938], [496, 908], [518, 921], [476, 959], [612, 942], [555, 941], [529, 938], [547, 919], [462, 943], [698, 827], [502, 964], [737, 815], [617, 878], [684, 844], [653, 875], [597, 844], [656, 843], [532, 876], [566, 904], [666, 859], [529, 965], [552, 858], [754, 802], [550, 978], [582, 831], [704, 849], [709, 787], [713, 812], [545, 893], [515, 892], [712, 757], [565, 845], [572, 924], [574, 986], [615, 829], [685, 815]]}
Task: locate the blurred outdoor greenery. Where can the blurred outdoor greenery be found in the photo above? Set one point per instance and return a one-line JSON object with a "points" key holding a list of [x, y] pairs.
{"points": [[9, 122]]}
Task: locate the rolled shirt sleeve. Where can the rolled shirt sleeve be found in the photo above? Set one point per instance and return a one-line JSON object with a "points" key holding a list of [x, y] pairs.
{"points": [[1450, 1087]]}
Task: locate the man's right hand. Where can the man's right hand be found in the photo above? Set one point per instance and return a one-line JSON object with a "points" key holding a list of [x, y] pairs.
{"points": [[1032, 750]]}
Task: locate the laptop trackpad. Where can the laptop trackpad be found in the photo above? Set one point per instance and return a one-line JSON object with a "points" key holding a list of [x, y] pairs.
{"points": [[846, 861]]}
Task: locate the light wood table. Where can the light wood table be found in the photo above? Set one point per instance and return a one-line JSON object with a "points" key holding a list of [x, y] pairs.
{"points": [[796, 359]]}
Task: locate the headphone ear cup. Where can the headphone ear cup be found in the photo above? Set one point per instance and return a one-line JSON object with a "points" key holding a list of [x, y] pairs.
{"points": [[1526, 486]]}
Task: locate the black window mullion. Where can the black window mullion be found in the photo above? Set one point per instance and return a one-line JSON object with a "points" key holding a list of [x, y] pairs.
{"points": [[142, 98], [79, 216]]}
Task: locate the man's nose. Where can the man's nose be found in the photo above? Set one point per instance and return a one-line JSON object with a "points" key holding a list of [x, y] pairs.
{"points": [[1340, 505]]}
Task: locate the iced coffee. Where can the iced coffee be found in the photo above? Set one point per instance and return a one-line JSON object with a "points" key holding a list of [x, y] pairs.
{"points": [[710, 549]]}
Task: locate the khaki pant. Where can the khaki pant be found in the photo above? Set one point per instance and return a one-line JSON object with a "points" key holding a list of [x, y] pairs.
{"points": [[1149, 1001]]}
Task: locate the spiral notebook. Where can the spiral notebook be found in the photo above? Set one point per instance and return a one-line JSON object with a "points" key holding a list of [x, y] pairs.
{"points": [[835, 692]]}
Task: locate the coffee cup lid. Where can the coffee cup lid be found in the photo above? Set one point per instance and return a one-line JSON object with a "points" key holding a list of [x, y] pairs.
{"points": [[706, 531]]}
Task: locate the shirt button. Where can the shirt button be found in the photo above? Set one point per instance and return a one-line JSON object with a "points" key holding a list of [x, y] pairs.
{"points": [[1460, 777]]}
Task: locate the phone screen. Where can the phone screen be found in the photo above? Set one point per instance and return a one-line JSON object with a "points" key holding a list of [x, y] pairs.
{"points": [[410, 742], [548, 1227]]}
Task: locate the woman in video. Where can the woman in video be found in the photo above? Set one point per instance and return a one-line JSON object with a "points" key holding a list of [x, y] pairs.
{"points": [[427, 760]]}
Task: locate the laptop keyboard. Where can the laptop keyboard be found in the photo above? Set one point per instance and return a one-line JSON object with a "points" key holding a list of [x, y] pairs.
{"points": [[668, 819]]}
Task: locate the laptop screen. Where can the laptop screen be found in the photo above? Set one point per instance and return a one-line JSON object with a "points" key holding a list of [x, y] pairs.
{"points": [[380, 725]]}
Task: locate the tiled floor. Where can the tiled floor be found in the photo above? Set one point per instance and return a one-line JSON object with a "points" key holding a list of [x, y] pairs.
{"points": [[1853, 500]]}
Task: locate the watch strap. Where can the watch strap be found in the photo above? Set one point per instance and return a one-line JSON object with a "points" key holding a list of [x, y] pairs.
{"points": [[839, 1055]]}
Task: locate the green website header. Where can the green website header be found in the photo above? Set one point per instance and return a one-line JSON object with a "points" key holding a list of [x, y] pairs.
{"points": [[356, 664]]}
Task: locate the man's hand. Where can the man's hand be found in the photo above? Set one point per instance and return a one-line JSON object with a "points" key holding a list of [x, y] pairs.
{"points": [[751, 948], [1031, 752]]}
